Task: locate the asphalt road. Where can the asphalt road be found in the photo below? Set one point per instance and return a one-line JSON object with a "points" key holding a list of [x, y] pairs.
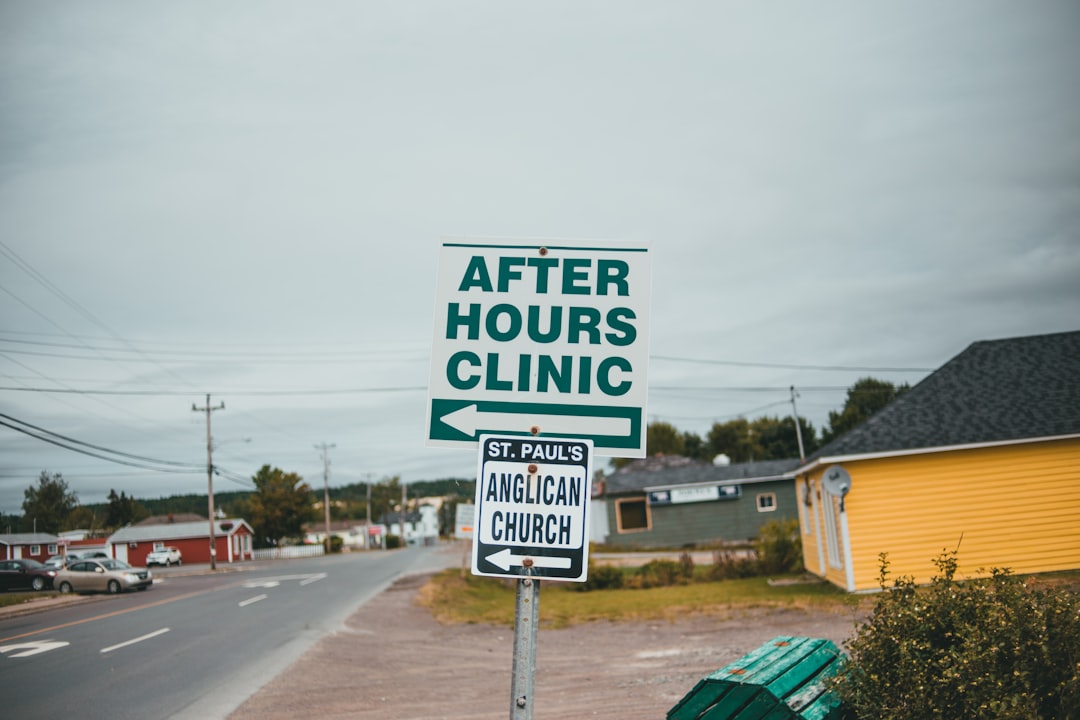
{"points": [[191, 646]]}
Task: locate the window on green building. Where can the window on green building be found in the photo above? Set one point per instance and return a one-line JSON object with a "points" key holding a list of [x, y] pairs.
{"points": [[632, 515]]}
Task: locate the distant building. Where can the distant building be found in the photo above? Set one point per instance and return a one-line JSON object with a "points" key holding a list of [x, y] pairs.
{"points": [[353, 533], [232, 539], [420, 526], [675, 502], [29, 546]]}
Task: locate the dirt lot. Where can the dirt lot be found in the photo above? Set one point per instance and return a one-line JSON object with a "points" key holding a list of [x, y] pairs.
{"points": [[394, 662]]}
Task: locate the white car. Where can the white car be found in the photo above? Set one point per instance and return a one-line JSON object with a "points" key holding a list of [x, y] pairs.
{"points": [[57, 562], [165, 556]]}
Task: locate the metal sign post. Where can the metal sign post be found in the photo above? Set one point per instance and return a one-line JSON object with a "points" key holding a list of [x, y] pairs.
{"points": [[539, 357], [526, 621], [531, 522]]}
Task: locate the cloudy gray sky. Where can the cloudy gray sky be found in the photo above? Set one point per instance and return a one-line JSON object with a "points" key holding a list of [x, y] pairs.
{"points": [[247, 199]]}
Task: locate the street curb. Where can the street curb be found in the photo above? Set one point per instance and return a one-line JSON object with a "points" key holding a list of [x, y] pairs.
{"points": [[42, 604]]}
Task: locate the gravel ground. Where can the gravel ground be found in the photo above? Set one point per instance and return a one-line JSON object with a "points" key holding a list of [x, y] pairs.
{"points": [[393, 661]]}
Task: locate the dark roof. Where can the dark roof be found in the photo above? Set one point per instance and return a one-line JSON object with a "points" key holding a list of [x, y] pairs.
{"points": [[394, 516], [994, 391], [698, 473], [171, 519], [176, 531]]}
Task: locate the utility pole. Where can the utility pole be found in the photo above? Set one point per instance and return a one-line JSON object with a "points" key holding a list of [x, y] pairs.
{"points": [[404, 544], [798, 430], [210, 475], [367, 526], [326, 487]]}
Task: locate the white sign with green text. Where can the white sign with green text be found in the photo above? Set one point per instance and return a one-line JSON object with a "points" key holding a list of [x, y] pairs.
{"points": [[543, 337]]}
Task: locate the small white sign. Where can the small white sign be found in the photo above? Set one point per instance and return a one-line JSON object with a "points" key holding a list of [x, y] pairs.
{"points": [[696, 494], [464, 519]]}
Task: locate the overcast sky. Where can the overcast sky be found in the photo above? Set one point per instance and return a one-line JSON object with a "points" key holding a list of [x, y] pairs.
{"points": [[247, 199]]}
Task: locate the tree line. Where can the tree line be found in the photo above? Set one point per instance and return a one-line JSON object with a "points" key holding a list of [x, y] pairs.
{"points": [[770, 437], [282, 503]]}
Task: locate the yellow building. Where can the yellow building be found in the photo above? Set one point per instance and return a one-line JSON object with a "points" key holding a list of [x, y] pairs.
{"points": [[983, 457]]}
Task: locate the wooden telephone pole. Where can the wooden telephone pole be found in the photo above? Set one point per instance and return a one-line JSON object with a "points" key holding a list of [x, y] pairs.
{"points": [[326, 487], [210, 475]]}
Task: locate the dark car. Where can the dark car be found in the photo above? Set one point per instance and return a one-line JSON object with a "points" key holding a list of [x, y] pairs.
{"points": [[25, 575]]}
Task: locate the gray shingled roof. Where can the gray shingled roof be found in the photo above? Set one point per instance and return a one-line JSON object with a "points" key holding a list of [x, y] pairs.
{"points": [[28, 539], [174, 531], [626, 481], [994, 391]]}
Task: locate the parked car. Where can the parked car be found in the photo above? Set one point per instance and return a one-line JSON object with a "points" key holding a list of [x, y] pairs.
{"points": [[25, 575], [102, 575], [165, 556], [58, 561]]}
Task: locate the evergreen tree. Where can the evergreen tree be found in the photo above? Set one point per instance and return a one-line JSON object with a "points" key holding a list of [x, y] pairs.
{"points": [[864, 398], [47, 505]]}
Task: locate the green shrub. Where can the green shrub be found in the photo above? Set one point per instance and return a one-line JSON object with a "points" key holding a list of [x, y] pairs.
{"points": [[779, 547], [728, 565], [601, 577], [993, 648], [686, 564], [661, 573]]}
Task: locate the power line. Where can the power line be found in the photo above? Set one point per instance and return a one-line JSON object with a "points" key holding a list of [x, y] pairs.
{"points": [[77, 307], [233, 477], [788, 366], [97, 447], [248, 393], [745, 388], [247, 352], [208, 358], [296, 356], [82, 451]]}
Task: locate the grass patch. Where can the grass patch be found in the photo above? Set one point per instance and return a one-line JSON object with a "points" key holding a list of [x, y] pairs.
{"points": [[452, 599], [7, 599]]}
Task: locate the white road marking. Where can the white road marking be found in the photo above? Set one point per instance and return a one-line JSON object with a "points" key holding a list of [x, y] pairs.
{"points": [[33, 647], [271, 582], [249, 601], [154, 634]]}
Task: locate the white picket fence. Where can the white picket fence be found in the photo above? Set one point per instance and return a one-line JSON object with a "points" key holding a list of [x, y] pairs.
{"points": [[288, 552]]}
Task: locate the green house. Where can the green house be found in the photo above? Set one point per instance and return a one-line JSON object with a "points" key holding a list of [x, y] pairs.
{"points": [[676, 502]]}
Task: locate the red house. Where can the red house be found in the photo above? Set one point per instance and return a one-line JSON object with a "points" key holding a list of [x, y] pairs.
{"points": [[232, 539], [29, 546]]}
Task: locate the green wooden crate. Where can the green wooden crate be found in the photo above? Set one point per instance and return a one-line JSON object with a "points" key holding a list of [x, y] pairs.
{"points": [[781, 680]]}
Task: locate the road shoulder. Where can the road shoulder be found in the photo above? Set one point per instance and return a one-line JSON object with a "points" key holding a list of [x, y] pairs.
{"points": [[393, 660]]}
